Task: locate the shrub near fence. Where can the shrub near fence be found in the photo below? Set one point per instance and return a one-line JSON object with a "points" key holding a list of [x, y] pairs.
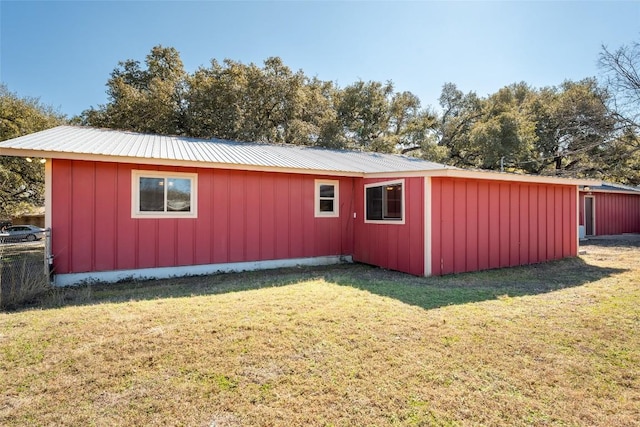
{"points": [[22, 273]]}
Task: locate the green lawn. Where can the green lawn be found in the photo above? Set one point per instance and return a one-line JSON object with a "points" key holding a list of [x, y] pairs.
{"points": [[553, 344]]}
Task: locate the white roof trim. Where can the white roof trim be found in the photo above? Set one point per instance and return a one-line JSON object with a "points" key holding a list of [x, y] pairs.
{"points": [[164, 162], [604, 190], [489, 175], [85, 143]]}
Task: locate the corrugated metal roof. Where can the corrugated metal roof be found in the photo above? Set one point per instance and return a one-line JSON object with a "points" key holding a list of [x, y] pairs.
{"points": [[114, 143], [612, 186]]}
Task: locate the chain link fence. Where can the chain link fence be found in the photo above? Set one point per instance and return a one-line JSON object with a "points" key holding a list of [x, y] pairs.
{"points": [[24, 270]]}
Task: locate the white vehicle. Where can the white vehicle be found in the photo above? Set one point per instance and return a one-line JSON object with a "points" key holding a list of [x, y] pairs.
{"points": [[18, 233]]}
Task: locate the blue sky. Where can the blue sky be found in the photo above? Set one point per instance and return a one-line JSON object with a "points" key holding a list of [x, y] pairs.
{"points": [[63, 52]]}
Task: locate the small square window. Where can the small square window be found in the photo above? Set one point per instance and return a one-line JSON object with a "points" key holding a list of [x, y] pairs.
{"points": [[163, 194], [326, 198]]}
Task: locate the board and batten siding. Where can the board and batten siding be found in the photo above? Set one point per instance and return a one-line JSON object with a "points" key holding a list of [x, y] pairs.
{"points": [[481, 224], [393, 246], [615, 213], [242, 216]]}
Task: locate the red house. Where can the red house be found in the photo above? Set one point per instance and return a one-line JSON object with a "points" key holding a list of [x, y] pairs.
{"points": [[609, 209], [123, 205]]}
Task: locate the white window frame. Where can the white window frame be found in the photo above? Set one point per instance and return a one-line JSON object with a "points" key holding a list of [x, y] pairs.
{"points": [[336, 198], [389, 221], [135, 194]]}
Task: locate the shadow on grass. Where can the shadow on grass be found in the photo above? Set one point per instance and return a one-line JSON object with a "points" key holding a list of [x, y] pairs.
{"points": [[428, 293], [434, 292], [623, 241]]}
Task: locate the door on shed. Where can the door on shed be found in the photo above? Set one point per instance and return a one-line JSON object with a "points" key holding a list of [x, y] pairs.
{"points": [[589, 216]]}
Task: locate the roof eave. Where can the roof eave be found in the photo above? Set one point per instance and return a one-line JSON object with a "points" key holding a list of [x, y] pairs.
{"points": [[168, 162], [443, 172], [504, 176]]}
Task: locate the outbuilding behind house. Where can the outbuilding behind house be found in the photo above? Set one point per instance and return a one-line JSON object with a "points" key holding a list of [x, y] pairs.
{"points": [[609, 209]]}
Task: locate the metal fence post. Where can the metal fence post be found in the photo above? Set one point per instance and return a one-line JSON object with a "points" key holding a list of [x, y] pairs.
{"points": [[48, 255]]}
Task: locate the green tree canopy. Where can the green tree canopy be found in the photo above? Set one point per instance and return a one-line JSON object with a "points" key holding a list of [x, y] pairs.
{"points": [[563, 130], [22, 182], [246, 102], [572, 129], [147, 99]]}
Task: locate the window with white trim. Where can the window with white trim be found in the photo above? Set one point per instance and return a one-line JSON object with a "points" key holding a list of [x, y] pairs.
{"points": [[327, 198], [163, 194], [384, 202]]}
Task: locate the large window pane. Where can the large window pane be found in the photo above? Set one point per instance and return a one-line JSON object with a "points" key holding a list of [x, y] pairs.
{"points": [[178, 195], [151, 194], [384, 202], [393, 205], [374, 203]]}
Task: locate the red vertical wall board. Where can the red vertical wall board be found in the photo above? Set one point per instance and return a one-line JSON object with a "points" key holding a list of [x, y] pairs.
{"points": [[220, 216], [105, 217], [415, 233], [460, 226], [447, 251], [436, 229], [149, 243], [494, 224], [472, 225], [296, 215], [403, 238], [282, 216], [515, 219], [253, 235], [551, 224], [581, 207], [392, 243], [559, 223], [268, 217], [237, 217], [323, 237], [186, 241], [203, 245], [504, 229], [534, 223], [167, 242], [405, 243], [483, 225], [82, 216], [309, 222], [542, 224], [61, 190], [347, 209], [565, 201], [127, 234], [523, 232]]}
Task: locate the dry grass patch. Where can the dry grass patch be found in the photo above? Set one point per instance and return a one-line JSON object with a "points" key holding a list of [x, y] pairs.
{"points": [[555, 344], [22, 274]]}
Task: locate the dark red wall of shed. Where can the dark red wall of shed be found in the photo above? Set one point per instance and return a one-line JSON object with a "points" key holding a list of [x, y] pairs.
{"points": [[242, 216], [393, 246], [478, 225], [616, 213]]}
